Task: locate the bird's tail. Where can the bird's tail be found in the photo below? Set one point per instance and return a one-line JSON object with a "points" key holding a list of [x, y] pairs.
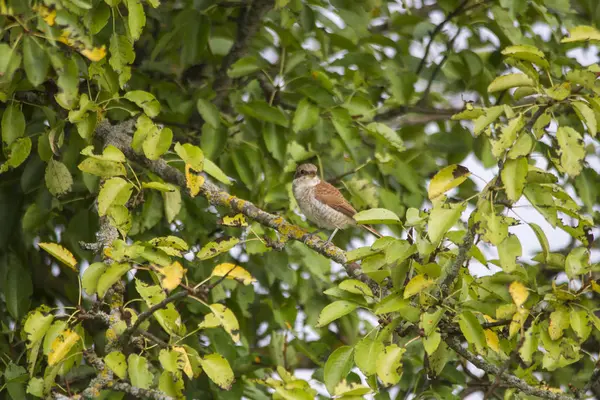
{"points": [[373, 231]]}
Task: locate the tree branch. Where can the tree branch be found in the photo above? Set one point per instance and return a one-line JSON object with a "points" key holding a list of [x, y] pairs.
{"points": [[118, 137], [148, 313], [452, 271], [248, 23], [454, 343]]}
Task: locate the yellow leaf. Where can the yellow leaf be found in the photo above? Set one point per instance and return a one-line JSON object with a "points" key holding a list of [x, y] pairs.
{"points": [[228, 320], [61, 254], [61, 346], [48, 15], [492, 340], [232, 271], [519, 293], [448, 178], [172, 275], [210, 321], [416, 284], [65, 38], [95, 54], [237, 220], [517, 322], [187, 365], [193, 181]]}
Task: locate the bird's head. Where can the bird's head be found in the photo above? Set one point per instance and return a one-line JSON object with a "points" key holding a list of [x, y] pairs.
{"points": [[306, 171]]}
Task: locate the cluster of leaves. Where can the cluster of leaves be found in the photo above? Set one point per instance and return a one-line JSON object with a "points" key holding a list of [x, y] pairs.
{"points": [[154, 288]]}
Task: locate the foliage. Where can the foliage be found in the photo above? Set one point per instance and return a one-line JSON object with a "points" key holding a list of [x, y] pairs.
{"points": [[150, 243]]}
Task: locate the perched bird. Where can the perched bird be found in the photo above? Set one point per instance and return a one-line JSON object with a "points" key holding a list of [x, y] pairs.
{"points": [[322, 203]]}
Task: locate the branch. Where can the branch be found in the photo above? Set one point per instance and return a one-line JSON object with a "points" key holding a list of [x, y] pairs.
{"points": [[511, 380], [148, 313], [118, 137], [249, 22], [438, 28], [452, 271], [438, 68], [415, 115]]}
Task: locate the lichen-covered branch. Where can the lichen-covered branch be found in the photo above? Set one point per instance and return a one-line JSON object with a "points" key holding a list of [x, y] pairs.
{"points": [[508, 379], [117, 136], [248, 24], [452, 271]]}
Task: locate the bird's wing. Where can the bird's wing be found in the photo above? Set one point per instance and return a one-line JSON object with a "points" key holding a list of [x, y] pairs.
{"points": [[328, 194]]}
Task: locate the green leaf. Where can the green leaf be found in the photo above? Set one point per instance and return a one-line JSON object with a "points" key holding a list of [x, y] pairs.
{"points": [[572, 151], [306, 116], [522, 147], [514, 175], [117, 363], [376, 216], [157, 143], [136, 18], [509, 81], [441, 218], [530, 344], [365, 355], [508, 251], [559, 321], [138, 371], [91, 276], [337, 367], [219, 246], [244, 66], [432, 342], [527, 53], [58, 178], [581, 324], [110, 276], [35, 387], [209, 112], [19, 151], [172, 202], [35, 60], [388, 134], [168, 317], [559, 92], [577, 262], [472, 330], [13, 124], [146, 101], [218, 370], [389, 364], [161, 187], [171, 384], [539, 233], [102, 168], [213, 170], [586, 115], [491, 114], [335, 310], [114, 192], [264, 112], [582, 33], [430, 321], [355, 286], [121, 53], [508, 135], [447, 178]]}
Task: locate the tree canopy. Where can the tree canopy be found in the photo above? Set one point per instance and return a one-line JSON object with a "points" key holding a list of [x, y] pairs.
{"points": [[151, 246]]}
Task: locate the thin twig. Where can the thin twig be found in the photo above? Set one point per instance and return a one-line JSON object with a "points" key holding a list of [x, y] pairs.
{"points": [[438, 28], [511, 380]]}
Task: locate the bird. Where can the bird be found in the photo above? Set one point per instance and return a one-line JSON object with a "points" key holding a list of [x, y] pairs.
{"points": [[322, 203]]}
